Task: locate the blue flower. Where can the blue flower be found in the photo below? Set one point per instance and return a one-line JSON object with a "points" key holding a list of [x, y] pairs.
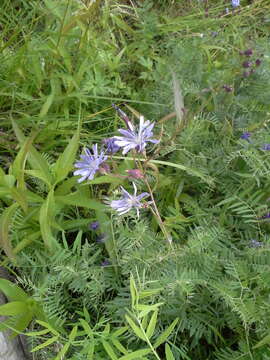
{"points": [[111, 146], [129, 201], [94, 225], [137, 140], [104, 263], [266, 147], [255, 244], [89, 164], [246, 136], [235, 3]]}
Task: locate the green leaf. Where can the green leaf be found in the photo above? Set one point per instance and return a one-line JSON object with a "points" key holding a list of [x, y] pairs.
{"points": [[37, 333], [20, 196], [136, 354], [19, 162], [12, 291], [135, 328], [146, 293], [38, 174], [48, 326], [45, 220], [164, 336], [62, 352], [36, 161], [13, 308], [73, 333], [146, 309], [64, 164], [109, 350], [168, 353], [46, 106], [152, 325], [119, 346], [77, 199], [264, 341], [133, 292], [5, 222], [120, 331], [208, 179], [86, 328], [46, 343]]}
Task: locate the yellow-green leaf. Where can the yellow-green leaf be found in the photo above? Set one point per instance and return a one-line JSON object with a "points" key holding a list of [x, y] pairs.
{"points": [[13, 308], [45, 220], [46, 343], [109, 350], [168, 353], [135, 328], [152, 325], [64, 164], [164, 336], [136, 354], [5, 222], [12, 291]]}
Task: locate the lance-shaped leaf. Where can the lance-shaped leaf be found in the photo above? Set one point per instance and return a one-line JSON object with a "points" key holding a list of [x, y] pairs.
{"points": [[64, 164], [36, 161], [12, 291], [166, 333], [45, 219], [5, 222]]}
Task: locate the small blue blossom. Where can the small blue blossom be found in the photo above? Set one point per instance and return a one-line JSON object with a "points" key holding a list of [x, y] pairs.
{"points": [[266, 147], [94, 225], [129, 201], [235, 3], [255, 244], [266, 216], [89, 164], [246, 136], [105, 263], [110, 145], [137, 140]]}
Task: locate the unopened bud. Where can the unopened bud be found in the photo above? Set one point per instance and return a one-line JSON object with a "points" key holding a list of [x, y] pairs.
{"points": [[135, 173]]}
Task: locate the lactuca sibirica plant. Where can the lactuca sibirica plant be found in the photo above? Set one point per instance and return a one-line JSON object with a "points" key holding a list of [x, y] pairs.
{"points": [[135, 139]]}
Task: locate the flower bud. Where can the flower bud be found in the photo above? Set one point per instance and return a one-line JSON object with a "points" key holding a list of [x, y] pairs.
{"points": [[135, 173]]}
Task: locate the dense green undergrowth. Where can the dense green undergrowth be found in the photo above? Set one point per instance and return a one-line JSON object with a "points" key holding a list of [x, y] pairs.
{"points": [[189, 280]]}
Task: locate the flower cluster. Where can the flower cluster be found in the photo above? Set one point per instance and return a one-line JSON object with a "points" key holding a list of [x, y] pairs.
{"points": [[91, 162], [251, 62]]}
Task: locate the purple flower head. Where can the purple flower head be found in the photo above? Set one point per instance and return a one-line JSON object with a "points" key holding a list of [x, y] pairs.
{"points": [[104, 169], [266, 216], [227, 88], [258, 62], [248, 52], [266, 147], [89, 164], [110, 145], [137, 140], [94, 225], [246, 64], [135, 173], [246, 136], [128, 201], [104, 263], [255, 244], [235, 3]]}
